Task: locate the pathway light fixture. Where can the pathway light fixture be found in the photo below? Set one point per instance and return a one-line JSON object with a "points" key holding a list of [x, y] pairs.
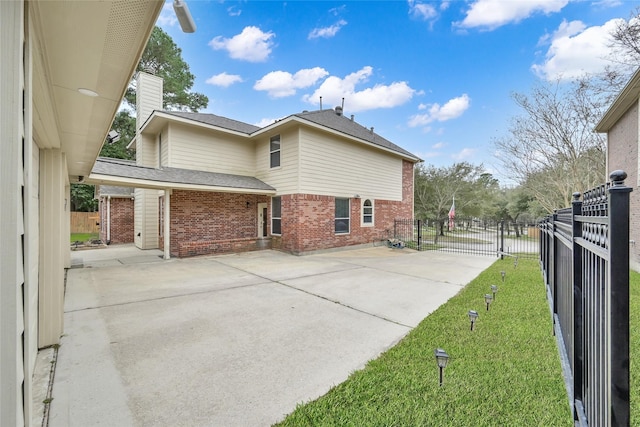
{"points": [[441, 358], [473, 316], [503, 274], [494, 289], [488, 298]]}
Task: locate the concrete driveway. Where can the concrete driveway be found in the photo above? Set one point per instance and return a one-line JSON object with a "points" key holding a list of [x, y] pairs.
{"points": [[234, 340]]}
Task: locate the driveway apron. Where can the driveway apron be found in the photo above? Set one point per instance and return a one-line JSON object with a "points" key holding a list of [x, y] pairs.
{"points": [[235, 340]]}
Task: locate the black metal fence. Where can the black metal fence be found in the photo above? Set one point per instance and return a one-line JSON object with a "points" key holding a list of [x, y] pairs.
{"points": [[584, 256], [489, 237]]}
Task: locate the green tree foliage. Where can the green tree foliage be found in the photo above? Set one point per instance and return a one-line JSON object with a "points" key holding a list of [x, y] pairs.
{"points": [[125, 125], [436, 187], [82, 198]]}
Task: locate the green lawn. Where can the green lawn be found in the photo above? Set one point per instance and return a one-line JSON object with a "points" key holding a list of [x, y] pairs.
{"points": [[504, 373], [83, 237]]}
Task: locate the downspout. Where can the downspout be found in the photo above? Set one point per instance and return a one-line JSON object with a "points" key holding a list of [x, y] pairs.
{"points": [[108, 220], [167, 223]]}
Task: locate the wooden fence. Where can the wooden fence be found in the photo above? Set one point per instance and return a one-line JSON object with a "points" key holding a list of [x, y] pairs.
{"points": [[85, 222]]}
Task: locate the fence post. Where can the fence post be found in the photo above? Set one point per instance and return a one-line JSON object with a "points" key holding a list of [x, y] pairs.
{"points": [[619, 298], [553, 276], [502, 239], [419, 235], [578, 337]]}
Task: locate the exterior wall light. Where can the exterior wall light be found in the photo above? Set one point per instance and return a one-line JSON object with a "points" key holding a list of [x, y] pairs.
{"points": [[473, 316], [488, 298], [441, 358]]}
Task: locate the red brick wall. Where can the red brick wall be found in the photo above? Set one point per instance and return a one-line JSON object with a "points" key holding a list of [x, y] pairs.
{"points": [[122, 218], [205, 223], [623, 154], [308, 220]]}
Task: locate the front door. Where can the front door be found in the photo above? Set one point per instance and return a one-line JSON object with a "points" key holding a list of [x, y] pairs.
{"points": [[262, 220]]}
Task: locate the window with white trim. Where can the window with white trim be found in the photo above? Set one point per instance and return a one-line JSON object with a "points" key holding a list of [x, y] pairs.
{"points": [[367, 212], [274, 151], [342, 218], [276, 216]]}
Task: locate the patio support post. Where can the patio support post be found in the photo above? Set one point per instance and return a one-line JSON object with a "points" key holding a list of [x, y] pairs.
{"points": [[167, 223]]}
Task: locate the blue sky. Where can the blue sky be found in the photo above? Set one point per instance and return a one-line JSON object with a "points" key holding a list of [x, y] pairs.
{"points": [[434, 77]]}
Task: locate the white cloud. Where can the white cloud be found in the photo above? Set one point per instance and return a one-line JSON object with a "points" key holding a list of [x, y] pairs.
{"points": [[281, 83], [463, 154], [265, 122], [491, 14], [438, 145], [327, 32], [576, 49], [453, 108], [167, 16], [224, 79], [333, 89], [424, 11], [234, 11], [251, 44]]}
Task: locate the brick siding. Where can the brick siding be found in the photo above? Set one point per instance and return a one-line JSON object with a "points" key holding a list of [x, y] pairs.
{"points": [[623, 154], [122, 220]]}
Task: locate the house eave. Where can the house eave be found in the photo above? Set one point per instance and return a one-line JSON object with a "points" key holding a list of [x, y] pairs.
{"points": [[158, 119], [625, 99]]}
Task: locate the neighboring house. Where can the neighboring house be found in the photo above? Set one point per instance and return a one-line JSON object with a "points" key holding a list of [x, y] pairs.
{"points": [[620, 123], [313, 180], [115, 205], [64, 68]]}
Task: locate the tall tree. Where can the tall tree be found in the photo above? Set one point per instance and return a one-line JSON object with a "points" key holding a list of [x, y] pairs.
{"points": [[551, 149], [163, 58]]}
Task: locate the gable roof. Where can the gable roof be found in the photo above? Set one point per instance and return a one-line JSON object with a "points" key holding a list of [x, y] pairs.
{"points": [[218, 121], [338, 122], [124, 172]]}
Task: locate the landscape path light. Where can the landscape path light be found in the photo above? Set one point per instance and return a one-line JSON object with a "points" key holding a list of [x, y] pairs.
{"points": [[488, 298], [473, 316], [515, 262], [494, 289], [503, 274], [441, 358]]}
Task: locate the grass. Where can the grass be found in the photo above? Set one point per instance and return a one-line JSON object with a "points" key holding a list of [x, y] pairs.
{"points": [[505, 372], [83, 237]]}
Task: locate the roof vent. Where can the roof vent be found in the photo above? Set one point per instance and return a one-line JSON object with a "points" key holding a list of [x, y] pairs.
{"points": [[339, 110], [371, 129], [352, 116]]}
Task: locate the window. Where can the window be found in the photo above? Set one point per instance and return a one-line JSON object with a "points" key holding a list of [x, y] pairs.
{"points": [[342, 216], [274, 151], [367, 212], [276, 215]]}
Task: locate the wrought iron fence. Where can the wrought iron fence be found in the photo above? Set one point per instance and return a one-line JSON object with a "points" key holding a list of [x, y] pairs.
{"points": [[473, 235], [584, 256]]}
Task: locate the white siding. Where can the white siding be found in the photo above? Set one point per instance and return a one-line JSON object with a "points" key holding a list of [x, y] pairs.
{"points": [[11, 214], [286, 178], [329, 165], [148, 98], [205, 150], [146, 218]]}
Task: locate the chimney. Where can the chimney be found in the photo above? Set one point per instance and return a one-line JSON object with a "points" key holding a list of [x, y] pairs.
{"points": [[148, 96]]}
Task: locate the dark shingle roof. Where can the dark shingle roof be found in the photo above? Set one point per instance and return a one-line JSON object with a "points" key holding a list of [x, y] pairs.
{"points": [[219, 121], [113, 191], [119, 168], [340, 123]]}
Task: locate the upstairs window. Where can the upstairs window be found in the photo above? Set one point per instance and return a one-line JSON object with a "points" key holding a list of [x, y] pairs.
{"points": [[342, 218], [274, 151], [276, 215], [367, 212]]}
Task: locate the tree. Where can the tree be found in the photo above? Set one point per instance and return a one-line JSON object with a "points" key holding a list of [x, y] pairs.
{"points": [[82, 198], [435, 189], [125, 125], [163, 58], [551, 149]]}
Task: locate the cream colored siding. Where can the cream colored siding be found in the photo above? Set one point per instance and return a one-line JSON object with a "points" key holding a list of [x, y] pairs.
{"points": [[164, 147], [52, 213], [342, 168], [146, 218], [210, 151], [11, 214], [284, 178], [148, 99]]}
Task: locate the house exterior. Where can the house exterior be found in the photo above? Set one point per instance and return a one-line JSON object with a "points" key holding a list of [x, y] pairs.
{"points": [[115, 207], [620, 123], [311, 181], [64, 67]]}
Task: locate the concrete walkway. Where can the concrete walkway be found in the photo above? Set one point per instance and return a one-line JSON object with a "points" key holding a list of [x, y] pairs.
{"points": [[235, 340]]}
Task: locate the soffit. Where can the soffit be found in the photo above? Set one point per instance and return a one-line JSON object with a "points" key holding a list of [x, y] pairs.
{"points": [[84, 44]]}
